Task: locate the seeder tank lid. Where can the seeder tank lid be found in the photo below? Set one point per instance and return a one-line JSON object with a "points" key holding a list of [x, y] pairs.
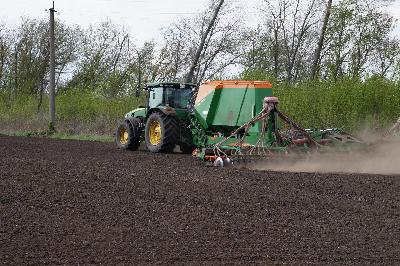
{"points": [[171, 85], [219, 84]]}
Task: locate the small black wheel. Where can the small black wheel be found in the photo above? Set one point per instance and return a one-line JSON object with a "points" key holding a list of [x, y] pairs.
{"points": [[161, 133], [128, 134]]}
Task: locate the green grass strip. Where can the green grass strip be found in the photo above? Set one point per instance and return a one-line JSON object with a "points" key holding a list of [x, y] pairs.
{"points": [[58, 136]]}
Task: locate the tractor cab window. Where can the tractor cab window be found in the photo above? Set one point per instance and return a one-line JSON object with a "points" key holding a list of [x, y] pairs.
{"points": [[156, 97], [177, 98]]}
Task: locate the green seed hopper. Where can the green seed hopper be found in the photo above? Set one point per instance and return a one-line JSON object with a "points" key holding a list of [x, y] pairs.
{"points": [[226, 105]]}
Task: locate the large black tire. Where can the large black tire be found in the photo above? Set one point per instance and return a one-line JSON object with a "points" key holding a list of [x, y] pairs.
{"points": [[161, 133], [128, 134]]}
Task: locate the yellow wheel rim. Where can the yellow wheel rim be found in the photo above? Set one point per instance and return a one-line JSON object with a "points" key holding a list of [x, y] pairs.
{"points": [[123, 136], [155, 133]]}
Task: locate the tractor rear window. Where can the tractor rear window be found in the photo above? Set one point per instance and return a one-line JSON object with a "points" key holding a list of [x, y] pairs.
{"points": [[177, 98]]}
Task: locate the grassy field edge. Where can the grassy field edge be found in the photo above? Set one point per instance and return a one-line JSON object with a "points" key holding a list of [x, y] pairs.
{"points": [[58, 135]]}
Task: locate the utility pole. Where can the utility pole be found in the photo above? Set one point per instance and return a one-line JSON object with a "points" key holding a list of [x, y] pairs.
{"points": [[52, 72]]}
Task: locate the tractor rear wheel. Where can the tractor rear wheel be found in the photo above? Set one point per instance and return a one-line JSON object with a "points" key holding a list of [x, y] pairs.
{"points": [[161, 133], [128, 134]]}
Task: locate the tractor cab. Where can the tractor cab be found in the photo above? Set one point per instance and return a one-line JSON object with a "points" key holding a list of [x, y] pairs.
{"points": [[173, 95]]}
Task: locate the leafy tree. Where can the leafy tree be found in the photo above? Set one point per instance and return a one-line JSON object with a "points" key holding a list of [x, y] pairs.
{"points": [[318, 50], [200, 48], [355, 31], [108, 61], [282, 43]]}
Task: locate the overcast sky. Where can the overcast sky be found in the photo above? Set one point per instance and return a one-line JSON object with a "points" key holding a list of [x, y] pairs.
{"points": [[143, 18]]}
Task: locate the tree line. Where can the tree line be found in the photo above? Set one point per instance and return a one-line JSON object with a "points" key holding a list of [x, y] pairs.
{"points": [[295, 41]]}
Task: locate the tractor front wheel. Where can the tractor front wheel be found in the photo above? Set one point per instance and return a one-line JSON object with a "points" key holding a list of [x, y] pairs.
{"points": [[128, 134], [161, 133]]}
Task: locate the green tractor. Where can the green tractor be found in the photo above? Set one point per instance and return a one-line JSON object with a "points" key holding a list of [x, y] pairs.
{"points": [[222, 122], [162, 124]]}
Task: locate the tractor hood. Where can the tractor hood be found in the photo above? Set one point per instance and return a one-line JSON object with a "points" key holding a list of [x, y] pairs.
{"points": [[141, 111]]}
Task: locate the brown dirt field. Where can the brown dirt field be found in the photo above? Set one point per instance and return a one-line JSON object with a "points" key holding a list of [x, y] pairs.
{"points": [[74, 202]]}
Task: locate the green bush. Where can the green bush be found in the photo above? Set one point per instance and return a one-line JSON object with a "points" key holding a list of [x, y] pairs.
{"points": [[348, 104], [76, 112]]}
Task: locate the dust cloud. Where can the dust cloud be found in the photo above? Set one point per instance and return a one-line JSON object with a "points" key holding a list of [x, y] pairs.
{"points": [[381, 157]]}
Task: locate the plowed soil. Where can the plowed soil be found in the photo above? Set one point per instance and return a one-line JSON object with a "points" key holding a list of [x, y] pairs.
{"points": [[74, 202]]}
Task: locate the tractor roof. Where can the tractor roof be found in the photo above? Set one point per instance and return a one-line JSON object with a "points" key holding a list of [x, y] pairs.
{"points": [[170, 84]]}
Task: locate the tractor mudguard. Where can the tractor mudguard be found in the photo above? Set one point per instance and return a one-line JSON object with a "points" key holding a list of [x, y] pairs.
{"points": [[164, 109], [138, 112]]}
